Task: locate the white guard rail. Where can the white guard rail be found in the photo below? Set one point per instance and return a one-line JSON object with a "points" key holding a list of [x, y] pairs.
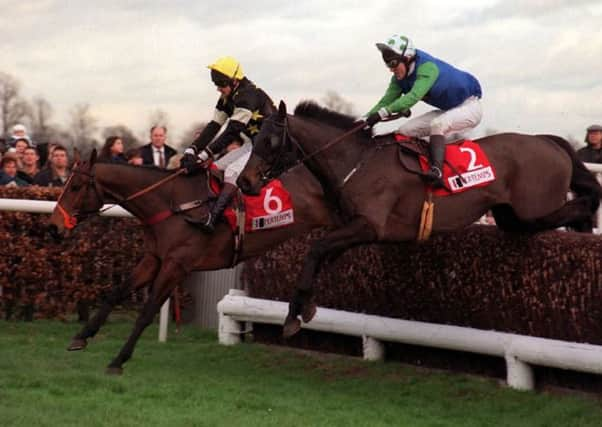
{"points": [[519, 351], [46, 207]]}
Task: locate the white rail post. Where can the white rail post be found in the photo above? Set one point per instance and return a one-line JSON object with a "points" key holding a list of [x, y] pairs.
{"points": [[163, 320], [519, 375], [374, 350], [229, 330]]}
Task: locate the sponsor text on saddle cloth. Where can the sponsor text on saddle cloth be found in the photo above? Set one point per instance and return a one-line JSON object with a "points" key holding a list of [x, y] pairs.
{"points": [[468, 160], [272, 208]]}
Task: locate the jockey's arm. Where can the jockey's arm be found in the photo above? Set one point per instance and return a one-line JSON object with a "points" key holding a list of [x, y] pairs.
{"points": [[212, 128], [237, 124], [426, 76], [393, 92]]}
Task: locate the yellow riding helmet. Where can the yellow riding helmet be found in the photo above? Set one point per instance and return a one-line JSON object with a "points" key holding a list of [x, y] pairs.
{"points": [[228, 66]]}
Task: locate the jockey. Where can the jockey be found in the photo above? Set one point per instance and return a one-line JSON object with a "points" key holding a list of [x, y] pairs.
{"points": [[419, 76], [243, 105]]}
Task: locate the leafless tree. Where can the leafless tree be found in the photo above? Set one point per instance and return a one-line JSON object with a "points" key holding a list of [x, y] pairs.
{"points": [[122, 131], [158, 117], [336, 102], [41, 128], [82, 127], [190, 134], [13, 108]]}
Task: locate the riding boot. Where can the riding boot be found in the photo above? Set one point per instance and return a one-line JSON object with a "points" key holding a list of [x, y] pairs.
{"points": [[437, 150], [207, 225]]}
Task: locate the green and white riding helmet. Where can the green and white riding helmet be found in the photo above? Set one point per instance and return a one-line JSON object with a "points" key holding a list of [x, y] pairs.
{"points": [[397, 47]]}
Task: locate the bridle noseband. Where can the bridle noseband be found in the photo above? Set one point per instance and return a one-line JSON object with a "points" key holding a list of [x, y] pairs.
{"points": [[70, 221]]}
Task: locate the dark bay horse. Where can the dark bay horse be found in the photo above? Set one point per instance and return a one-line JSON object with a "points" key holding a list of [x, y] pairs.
{"points": [[173, 248], [379, 200]]}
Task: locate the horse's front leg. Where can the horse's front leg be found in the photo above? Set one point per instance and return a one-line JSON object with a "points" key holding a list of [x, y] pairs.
{"points": [[143, 274], [356, 232], [171, 275]]}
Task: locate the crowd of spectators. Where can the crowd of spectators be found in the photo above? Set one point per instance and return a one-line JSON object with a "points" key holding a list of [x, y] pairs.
{"points": [[23, 162]]}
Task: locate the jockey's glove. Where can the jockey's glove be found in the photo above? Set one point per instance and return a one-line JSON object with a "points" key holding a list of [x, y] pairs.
{"points": [[377, 116], [191, 161]]}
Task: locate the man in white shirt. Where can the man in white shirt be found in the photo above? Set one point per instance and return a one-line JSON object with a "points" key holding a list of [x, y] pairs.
{"points": [[157, 153]]}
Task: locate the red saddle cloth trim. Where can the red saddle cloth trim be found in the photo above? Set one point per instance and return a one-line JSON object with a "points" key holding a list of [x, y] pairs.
{"points": [[468, 160], [273, 208], [472, 168]]}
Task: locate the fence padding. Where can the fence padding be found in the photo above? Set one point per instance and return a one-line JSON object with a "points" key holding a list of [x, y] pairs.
{"points": [[42, 278], [547, 285]]}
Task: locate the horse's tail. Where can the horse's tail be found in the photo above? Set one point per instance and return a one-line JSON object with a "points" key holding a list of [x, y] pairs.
{"points": [[583, 182]]}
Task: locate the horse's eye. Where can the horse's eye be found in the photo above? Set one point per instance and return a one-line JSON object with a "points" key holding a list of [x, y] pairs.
{"points": [[75, 188]]}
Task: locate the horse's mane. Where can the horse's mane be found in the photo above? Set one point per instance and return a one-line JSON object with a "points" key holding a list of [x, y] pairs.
{"points": [[312, 110], [146, 168]]}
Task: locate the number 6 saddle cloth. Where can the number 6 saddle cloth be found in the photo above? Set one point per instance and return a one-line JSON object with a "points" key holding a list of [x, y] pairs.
{"points": [[272, 208]]}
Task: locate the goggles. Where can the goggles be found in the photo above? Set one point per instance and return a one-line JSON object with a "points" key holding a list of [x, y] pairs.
{"points": [[219, 79]]}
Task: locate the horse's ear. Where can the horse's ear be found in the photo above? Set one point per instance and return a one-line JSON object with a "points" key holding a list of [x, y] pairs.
{"points": [[282, 109], [92, 157]]}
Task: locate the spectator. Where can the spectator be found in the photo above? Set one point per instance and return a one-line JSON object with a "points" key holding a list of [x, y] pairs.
{"points": [[30, 167], [133, 157], [593, 152], [57, 172], [19, 149], [112, 151], [8, 176], [19, 131], [156, 152]]}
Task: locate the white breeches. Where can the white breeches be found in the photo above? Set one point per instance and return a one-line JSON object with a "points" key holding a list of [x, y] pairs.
{"points": [[233, 162], [438, 122]]}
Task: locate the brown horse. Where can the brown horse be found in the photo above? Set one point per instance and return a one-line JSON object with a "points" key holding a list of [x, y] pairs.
{"points": [[380, 200], [173, 248]]}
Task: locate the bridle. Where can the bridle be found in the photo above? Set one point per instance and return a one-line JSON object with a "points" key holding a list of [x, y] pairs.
{"points": [[71, 220], [278, 166]]}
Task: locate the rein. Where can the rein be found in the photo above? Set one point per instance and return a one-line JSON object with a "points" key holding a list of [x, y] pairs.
{"points": [[70, 221], [267, 175]]}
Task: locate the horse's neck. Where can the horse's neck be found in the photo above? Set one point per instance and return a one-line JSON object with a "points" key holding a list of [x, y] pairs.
{"points": [[119, 182], [333, 164]]}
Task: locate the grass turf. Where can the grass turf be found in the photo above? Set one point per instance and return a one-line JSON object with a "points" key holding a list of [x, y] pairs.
{"points": [[193, 381]]}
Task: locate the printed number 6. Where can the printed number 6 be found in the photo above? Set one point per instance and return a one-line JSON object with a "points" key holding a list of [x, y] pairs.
{"points": [[473, 158], [268, 200]]}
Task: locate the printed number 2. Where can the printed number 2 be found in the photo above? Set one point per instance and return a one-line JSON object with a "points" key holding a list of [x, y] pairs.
{"points": [[473, 158], [268, 202]]}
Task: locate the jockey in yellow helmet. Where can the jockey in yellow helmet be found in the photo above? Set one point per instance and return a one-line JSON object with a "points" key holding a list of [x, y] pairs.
{"points": [[241, 105]]}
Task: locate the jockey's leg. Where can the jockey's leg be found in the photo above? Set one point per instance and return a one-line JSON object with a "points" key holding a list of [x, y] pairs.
{"points": [[419, 126], [237, 161], [465, 116]]}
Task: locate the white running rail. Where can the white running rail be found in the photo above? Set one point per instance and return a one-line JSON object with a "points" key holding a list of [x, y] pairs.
{"points": [[519, 351]]}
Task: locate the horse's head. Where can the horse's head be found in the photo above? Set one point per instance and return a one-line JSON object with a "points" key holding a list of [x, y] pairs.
{"points": [[79, 199], [273, 153]]}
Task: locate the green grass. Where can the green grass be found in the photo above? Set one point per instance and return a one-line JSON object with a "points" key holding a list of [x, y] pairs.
{"points": [[193, 381]]}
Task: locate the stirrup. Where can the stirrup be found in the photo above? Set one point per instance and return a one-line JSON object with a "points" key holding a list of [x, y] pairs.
{"points": [[198, 222], [434, 177]]}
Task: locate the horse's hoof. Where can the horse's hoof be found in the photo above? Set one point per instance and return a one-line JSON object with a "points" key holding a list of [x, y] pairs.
{"points": [[114, 370], [291, 327], [77, 344], [308, 312]]}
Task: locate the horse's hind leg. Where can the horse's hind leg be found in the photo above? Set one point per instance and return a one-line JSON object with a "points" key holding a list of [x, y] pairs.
{"points": [[356, 232], [142, 275], [575, 214], [171, 275]]}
